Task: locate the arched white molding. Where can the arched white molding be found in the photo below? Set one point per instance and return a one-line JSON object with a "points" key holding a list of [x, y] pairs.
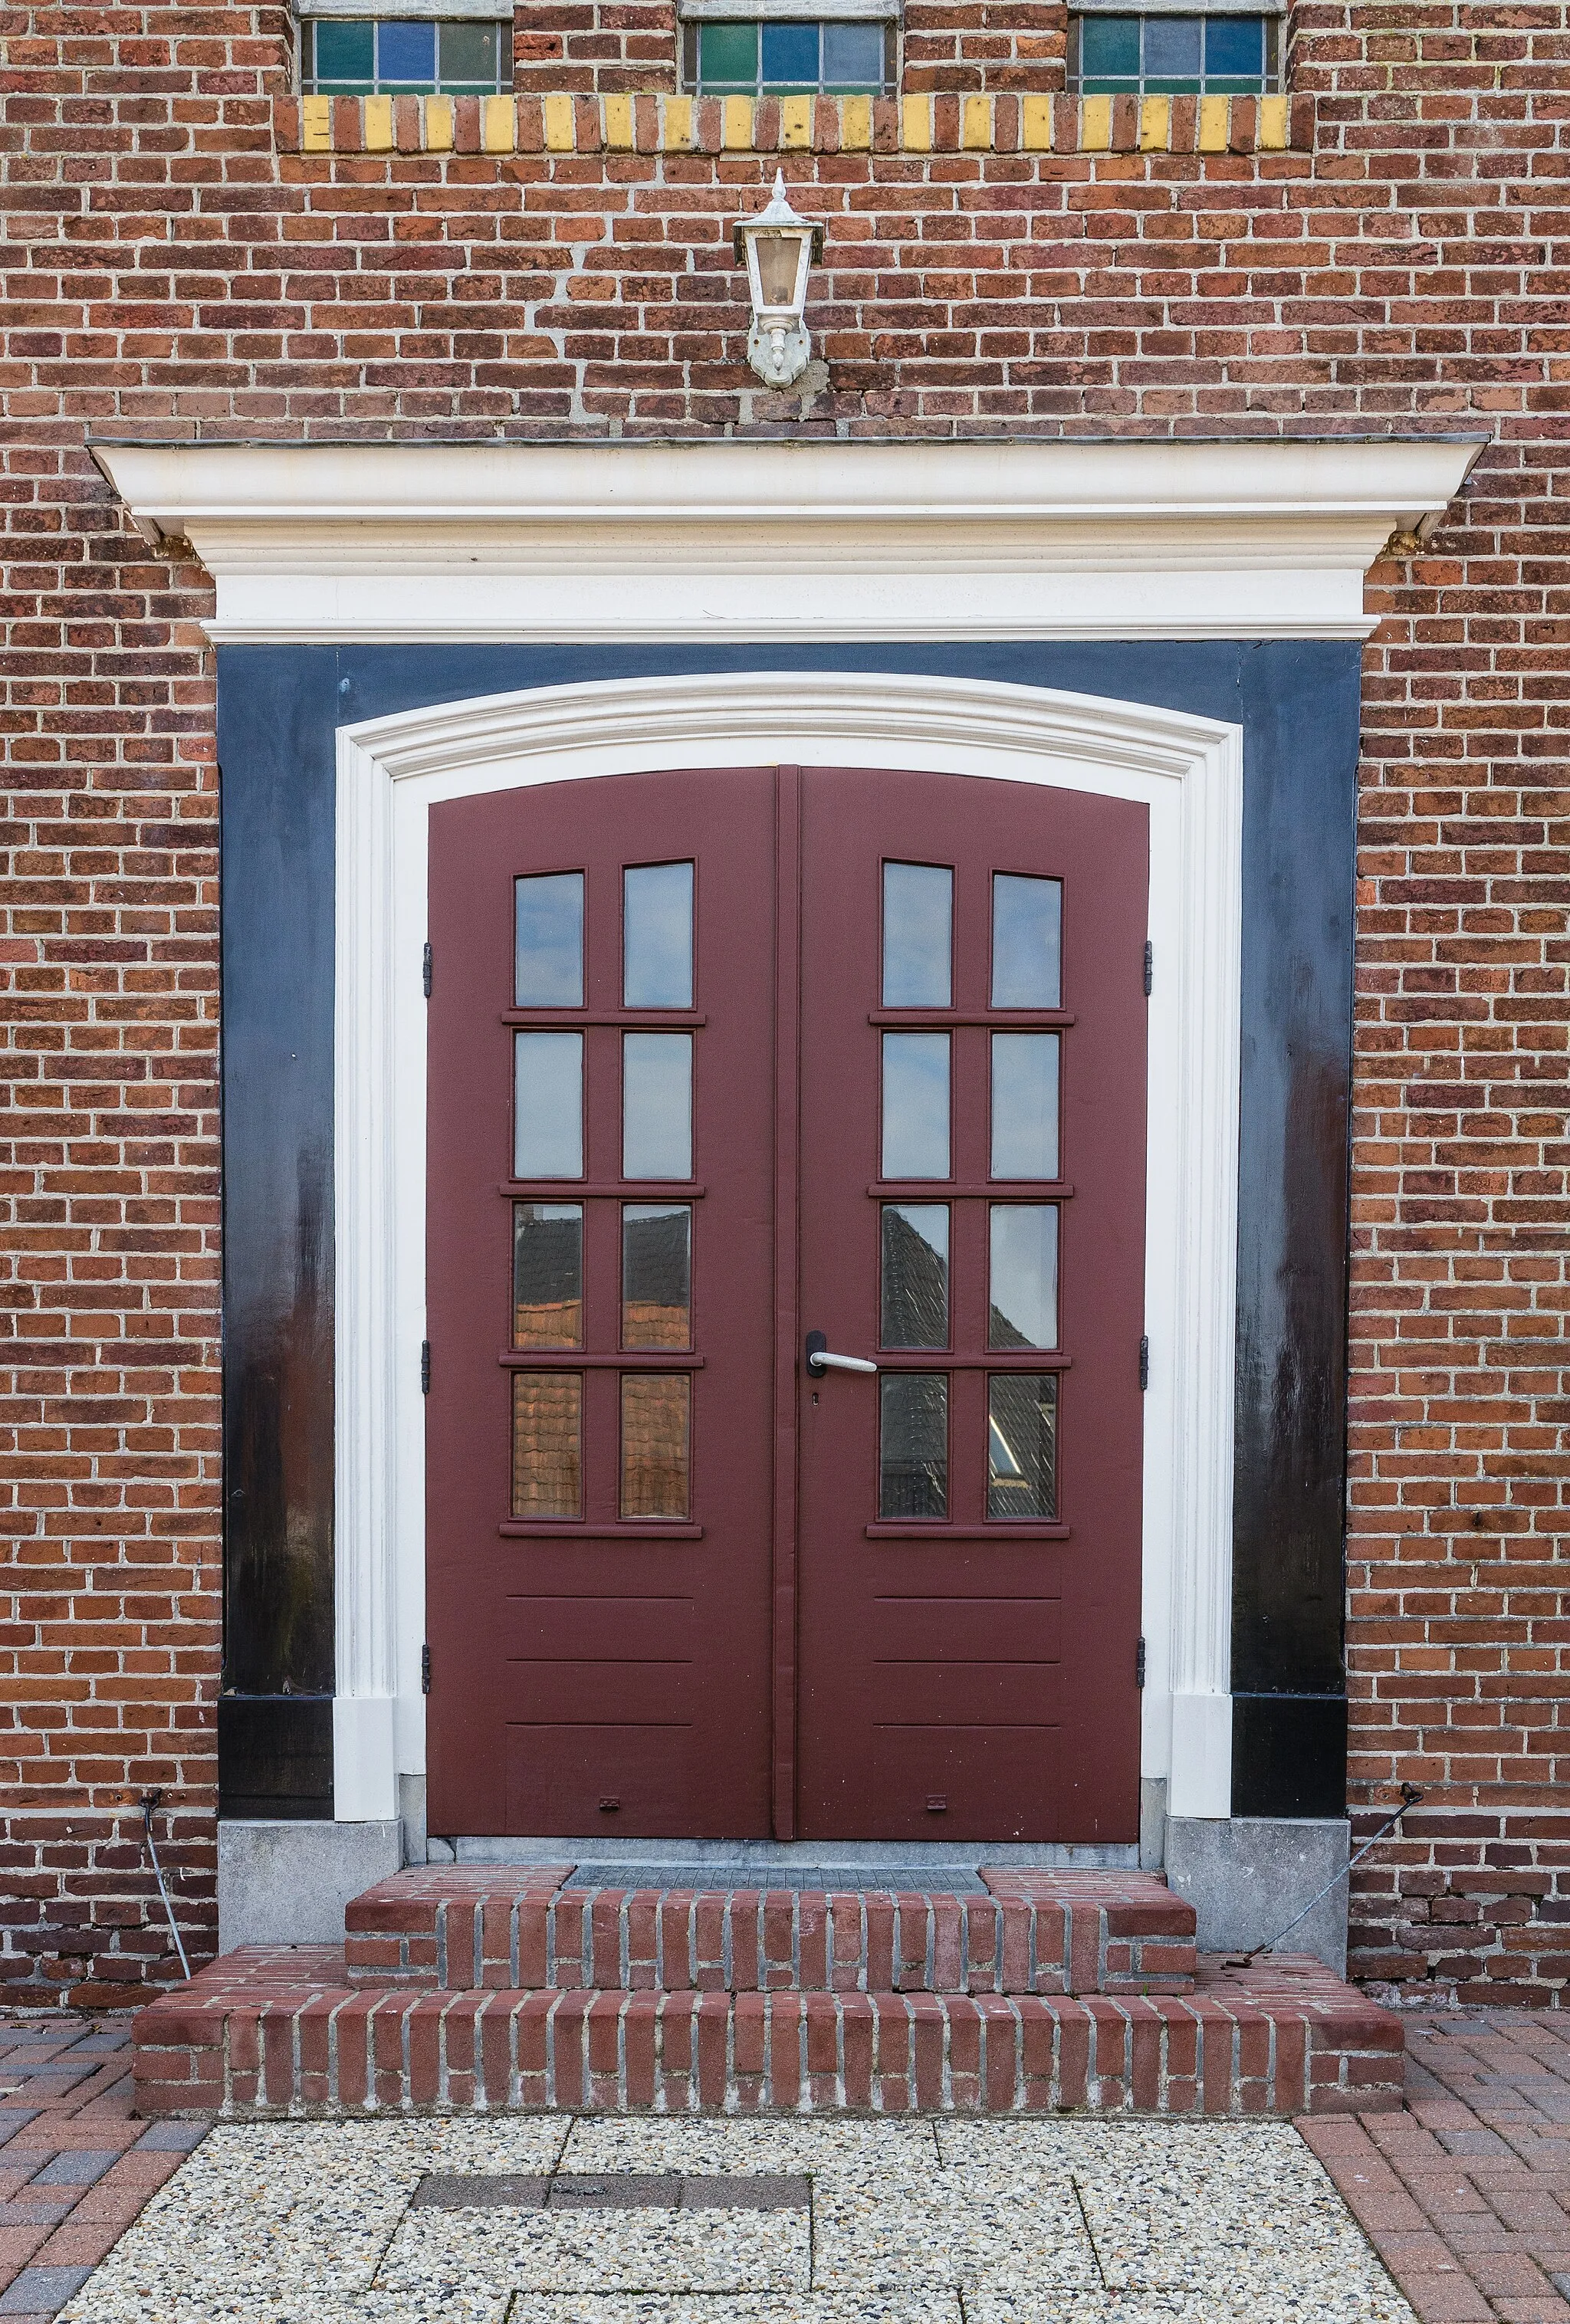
{"points": [[1187, 770]]}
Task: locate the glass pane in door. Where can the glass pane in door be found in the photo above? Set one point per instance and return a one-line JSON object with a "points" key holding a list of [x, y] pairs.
{"points": [[916, 1105], [547, 1105], [657, 1275], [548, 913], [657, 1105], [547, 1444], [917, 935], [1023, 1444], [656, 1425], [657, 935], [913, 1444], [915, 1274], [548, 1275], [1025, 1105], [1023, 1309], [1027, 942]]}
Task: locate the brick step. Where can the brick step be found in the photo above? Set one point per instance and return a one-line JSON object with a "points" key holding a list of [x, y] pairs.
{"points": [[273, 2031], [458, 1928]]}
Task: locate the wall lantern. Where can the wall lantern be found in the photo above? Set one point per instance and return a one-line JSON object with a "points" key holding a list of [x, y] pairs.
{"points": [[778, 249]]}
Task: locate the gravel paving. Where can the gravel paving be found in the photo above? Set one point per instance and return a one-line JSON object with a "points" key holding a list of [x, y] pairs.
{"points": [[910, 2223]]}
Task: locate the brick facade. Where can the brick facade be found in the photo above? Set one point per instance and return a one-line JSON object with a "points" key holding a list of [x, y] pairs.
{"points": [[173, 268]]}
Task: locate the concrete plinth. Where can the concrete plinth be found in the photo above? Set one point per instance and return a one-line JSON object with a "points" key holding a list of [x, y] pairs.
{"points": [[287, 1882], [1246, 1877]]}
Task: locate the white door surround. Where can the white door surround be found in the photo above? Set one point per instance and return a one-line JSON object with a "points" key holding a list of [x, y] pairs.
{"points": [[714, 542], [1187, 771]]}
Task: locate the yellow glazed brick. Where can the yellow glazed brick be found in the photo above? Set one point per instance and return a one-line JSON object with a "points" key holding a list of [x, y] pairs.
{"points": [[1155, 124], [856, 123], [916, 125], [676, 125], [738, 130], [1095, 125], [977, 126], [439, 123], [559, 138], [1035, 124], [795, 122], [498, 125], [619, 123], [1273, 121], [1214, 125], [315, 125], [378, 124]]}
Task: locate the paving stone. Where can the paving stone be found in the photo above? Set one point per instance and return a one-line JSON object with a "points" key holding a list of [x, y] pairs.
{"points": [[79, 2167], [172, 2137], [40, 2290]]}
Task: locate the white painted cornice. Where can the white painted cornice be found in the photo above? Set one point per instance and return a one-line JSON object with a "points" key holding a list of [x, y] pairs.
{"points": [[804, 541]]}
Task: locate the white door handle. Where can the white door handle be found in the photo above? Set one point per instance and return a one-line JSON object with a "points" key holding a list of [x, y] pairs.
{"points": [[820, 1359]]}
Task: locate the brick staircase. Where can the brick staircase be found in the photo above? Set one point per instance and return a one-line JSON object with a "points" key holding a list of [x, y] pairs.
{"points": [[482, 1987]]}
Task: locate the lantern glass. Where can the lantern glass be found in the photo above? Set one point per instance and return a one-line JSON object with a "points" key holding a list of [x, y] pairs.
{"points": [[778, 256]]}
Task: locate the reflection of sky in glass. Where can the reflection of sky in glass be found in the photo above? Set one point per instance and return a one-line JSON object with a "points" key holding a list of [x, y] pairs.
{"points": [[1025, 1105], [915, 1105], [549, 973], [918, 916], [1024, 1276], [657, 1105], [657, 935], [548, 1097], [1027, 942]]}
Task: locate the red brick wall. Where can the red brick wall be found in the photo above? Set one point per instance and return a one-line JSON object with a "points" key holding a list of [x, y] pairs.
{"points": [[167, 273]]}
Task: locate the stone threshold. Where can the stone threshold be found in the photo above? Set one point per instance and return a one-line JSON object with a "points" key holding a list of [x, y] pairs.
{"points": [[648, 122]]}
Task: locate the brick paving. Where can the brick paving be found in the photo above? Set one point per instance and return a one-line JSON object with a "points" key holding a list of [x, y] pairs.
{"points": [[1465, 2194], [75, 2169]]}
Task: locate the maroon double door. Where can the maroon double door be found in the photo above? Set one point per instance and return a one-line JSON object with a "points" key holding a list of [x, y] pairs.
{"points": [[732, 1073]]}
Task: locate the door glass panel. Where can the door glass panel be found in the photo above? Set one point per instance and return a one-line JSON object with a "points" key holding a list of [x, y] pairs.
{"points": [[913, 1444], [1027, 942], [657, 1275], [657, 935], [1023, 1309], [1025, 1105], [1023, 1444], [915, 1305], [657, 1105], [547, 1444], [547, 969], [548, 1275], [917, 935], [916, 1105], [656, 1410], [547, 1105]]}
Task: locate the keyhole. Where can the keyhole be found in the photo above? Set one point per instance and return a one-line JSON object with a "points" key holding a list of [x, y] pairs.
{"points": [[815, 1396]]}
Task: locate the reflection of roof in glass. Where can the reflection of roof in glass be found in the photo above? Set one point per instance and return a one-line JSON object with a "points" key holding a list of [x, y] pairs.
{"points": [[654, 1260], [915, 1287]]}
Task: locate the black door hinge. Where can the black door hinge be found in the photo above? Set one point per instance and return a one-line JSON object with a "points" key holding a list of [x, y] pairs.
{"points": [[425, 1668], [1139, 1664], [1149, 967], [425, 1368], [425, 971], [1145, 1361]]}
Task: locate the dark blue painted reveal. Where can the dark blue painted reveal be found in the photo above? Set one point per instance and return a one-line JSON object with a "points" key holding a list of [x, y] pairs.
{"points": [[278, 707]]}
